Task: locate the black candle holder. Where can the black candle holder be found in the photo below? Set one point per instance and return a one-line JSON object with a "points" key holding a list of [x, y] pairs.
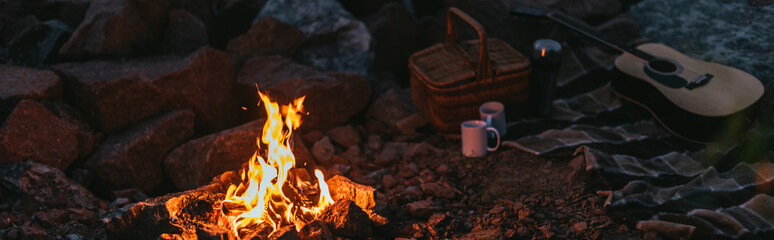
{"points": [[546, 61]]}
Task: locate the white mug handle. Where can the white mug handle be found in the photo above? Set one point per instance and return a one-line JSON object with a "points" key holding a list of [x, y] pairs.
{"points": [[498, 139]]}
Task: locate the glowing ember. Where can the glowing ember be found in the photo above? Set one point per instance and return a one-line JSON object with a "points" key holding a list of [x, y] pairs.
{"points": [[269, 197]]}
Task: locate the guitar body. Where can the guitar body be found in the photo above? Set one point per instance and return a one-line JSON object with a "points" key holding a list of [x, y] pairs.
{"points": [[713, 108]]}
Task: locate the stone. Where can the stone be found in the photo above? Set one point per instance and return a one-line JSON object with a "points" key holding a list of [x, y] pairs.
{"points": [[345, 218], [761, 2], [36, 187], [313, 136], [413, 193], [206, 85], [185, 33], [437, 190], [335, 40], [316, 230], [363, 8], [444, 169], [394, 30], [346, 136], [323, 151], [484, 234], [194, 163], [267, 37], [118, 28], [439, 220], [389, 181], [116, 94], [31, 232], [366, 197], [27, 83], [82, 215], [580, 226], [33, 132], [622, 28], [374, 142], [391, 154], [15, 26], [392, 107], [589, 10], [331, 98], [234, 18], [423, 208], [71, 12], [39, 43], [134, 194], [409, 125], [133, 158], [50, 218]]}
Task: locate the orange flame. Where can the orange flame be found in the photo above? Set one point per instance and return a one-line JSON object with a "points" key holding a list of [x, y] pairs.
{"points": [[260, 197]]}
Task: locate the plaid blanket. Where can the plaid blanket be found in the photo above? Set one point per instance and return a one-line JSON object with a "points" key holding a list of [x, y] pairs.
{"points": [[663, 183]]}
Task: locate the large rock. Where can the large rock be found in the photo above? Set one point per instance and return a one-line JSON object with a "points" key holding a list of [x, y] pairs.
{"points": [[133, 158], [366, 197], [392, 107], [36, 133], [336, 41], [590, 10], [233, 18], [331, 98], [345, 218], [118, 28], [40, 201], [185, 34], [267, 37], [116, 94], [38, 43], [16, 25], [394, 31], [206, 85], [194, 163], [71, 12], [26, 83]]}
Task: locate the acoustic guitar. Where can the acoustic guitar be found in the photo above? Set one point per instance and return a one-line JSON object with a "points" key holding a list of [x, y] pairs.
{"points": [[696, 100]]}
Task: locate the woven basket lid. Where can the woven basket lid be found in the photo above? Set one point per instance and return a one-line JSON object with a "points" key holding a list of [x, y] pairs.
{"points": [[454, 64]]}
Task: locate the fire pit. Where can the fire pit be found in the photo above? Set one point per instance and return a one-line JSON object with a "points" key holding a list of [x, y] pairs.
{"points": [[273, 197]]}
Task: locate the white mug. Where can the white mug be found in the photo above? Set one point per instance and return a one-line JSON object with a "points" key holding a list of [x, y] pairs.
{"points": [[474, 140], [493, 113]]}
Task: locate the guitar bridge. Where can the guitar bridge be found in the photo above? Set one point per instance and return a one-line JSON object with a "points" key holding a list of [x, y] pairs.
{"points": [[700, 81]]}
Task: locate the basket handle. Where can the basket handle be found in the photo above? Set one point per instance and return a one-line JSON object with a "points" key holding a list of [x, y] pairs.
{"points": [[484, 71]]}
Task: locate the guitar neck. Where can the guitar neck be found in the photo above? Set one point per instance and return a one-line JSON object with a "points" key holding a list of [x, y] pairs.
{"points": [[591, 33]]}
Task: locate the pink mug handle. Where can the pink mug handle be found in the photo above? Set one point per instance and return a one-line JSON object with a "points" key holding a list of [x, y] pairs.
{"points": [[498, 139]]}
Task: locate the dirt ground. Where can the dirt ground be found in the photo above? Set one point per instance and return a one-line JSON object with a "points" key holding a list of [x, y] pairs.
{"points": [[509, 194]]}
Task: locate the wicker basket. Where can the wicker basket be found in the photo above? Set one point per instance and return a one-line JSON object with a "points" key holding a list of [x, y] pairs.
{"points": [[448, 85]]}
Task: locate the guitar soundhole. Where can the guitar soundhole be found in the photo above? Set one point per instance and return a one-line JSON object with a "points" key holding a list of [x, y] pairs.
{"points": [[663, 66]]}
